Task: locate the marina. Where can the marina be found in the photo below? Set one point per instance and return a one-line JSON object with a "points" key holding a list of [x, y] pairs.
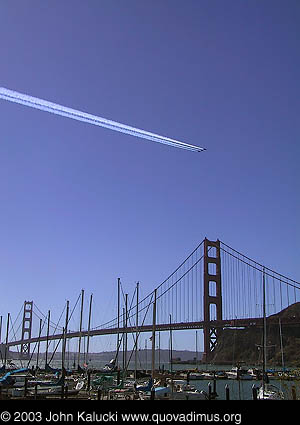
{"points": [[208, 382]]}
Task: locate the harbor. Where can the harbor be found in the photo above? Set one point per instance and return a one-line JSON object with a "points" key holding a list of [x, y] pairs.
{"points": [[206, 382]]}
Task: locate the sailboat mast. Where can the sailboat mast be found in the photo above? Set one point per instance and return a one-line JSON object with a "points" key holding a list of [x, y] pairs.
{"points": [[265, 329], [89, 328], [65, 331], [0, 329], [196, 349], [281, 344], [171, 345], [80, 326], [39, 343], [47, 340], [6, 341], [136, 329], [153, 334], [126, 335], [118, 324], [123, 353]]}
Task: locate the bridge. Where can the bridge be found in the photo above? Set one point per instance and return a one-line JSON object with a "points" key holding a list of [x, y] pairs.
{"points": [[214, 288]]}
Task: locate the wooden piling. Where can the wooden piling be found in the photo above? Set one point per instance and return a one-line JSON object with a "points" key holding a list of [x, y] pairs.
{"points": [[88, 380], [227, 395], [254, 392], [152, 394]]}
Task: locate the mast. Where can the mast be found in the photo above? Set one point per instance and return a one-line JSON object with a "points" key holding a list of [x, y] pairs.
{"points": [[153, 335], [281, 344], [171, 347], [89, 328], [6, 341], [47, 340], [63, 350], [123, 343], [126, 336], [171, 355], [136, 330], [0, 329], [118, 334], [196, 349], [65, 331], [159, 350], [80, 326], [38, 349], [265, 331]]}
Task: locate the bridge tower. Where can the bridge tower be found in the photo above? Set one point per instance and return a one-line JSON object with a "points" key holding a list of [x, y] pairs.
{"points": [[212, 298], [26, 329]]}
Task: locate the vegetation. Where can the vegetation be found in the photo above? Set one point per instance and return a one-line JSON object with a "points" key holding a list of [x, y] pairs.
{"points": [[245, 345]]}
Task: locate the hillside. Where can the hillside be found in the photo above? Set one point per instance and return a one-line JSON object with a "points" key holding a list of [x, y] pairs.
{"points": [[244, 345]]}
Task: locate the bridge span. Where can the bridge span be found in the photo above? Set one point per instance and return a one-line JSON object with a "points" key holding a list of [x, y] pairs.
{"points": [[214, 288], [220, 324]]}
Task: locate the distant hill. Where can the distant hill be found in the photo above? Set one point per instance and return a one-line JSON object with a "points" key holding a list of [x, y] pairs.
{"points": [[244, 345], [143, 355]]}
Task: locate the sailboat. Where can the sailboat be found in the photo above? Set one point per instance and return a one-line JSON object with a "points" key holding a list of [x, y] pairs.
{"points": [[267, 391]]}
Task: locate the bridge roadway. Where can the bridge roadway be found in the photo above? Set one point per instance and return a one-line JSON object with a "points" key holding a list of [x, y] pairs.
{"points": [[230, 323]]}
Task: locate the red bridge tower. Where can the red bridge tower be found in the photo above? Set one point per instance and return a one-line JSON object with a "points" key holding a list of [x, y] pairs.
{"points": [[212, 296]]}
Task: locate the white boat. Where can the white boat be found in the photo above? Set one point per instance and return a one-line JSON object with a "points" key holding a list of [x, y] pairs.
{"points": [[253, 373], [269, 392], [195, 376], [207, 375], [188, 392], [238, 373]]}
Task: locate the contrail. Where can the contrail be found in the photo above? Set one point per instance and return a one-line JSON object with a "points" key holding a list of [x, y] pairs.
{"points": [[54, 108]]}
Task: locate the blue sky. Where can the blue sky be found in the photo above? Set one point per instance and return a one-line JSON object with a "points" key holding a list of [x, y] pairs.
{"points": [[82, 206]]}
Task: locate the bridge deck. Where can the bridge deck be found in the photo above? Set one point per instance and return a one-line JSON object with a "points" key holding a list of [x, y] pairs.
{"points": [[256, 321]]}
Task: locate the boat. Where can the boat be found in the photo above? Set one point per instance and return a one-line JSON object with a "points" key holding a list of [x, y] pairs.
{"points": [[207, 375], [195, 376], [239, 373], [105, 382], [161, 392], [146, 387], [269, 392], [9, 379], [184, 391]]}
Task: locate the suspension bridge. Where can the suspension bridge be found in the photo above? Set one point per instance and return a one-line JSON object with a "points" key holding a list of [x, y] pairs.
{"points": [[214, 288]]}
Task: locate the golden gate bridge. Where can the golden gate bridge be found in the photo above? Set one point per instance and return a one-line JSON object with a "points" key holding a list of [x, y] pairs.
{"points": [[214, 288]]}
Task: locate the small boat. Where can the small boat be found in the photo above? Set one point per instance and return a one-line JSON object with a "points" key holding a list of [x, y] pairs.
{"points": [[195, 376], [109, 367], [238, 373], [269, 392], [162, 392], [220, 375], [9, 379], [207, 375], [146, 387], [188, 392]]}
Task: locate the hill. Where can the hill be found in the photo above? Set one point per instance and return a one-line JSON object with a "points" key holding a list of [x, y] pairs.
{"points": [[244, 345]]}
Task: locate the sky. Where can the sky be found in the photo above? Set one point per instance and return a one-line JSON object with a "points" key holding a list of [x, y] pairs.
{"points": [[82, 206]]}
